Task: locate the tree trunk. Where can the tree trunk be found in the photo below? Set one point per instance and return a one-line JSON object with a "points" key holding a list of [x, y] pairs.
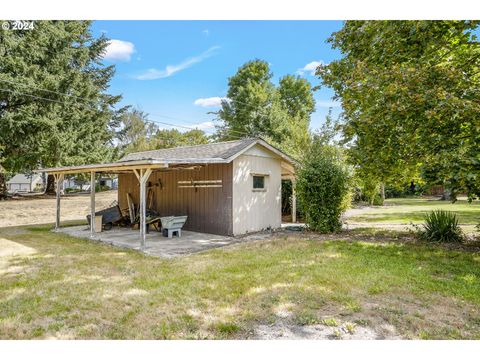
{"points": [[50, 188], [447, 195], [3, 186], [382, 192]]}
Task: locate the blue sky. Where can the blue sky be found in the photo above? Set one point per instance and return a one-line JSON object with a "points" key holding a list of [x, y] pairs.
{"points": [[177, 70]]}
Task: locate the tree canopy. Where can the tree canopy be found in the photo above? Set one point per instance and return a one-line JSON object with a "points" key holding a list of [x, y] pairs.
{"points": [[256, 107], [138, 133], [54, 105], [409, 90]]}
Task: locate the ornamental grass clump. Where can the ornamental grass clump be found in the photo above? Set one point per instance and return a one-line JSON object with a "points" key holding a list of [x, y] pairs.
{"points": [[441, 226]]}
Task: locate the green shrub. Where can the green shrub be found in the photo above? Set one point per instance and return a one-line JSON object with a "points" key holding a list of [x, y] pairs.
{"points": [[394, 192], [441, 226], [99, 188], [367, 189], [371, 189], [71, 190], [323, 188], [377, 200]]}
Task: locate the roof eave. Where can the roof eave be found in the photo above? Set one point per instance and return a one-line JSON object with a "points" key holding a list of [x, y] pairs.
{"points": [[265, 144], [107, 167]]}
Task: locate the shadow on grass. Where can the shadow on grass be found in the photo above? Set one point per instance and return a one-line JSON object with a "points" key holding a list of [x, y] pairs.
{"points": [[404, 217], [77, 288]]}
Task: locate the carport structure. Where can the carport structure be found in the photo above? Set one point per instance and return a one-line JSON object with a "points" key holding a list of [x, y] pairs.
{"points": [[142, 170], [229, 188]]}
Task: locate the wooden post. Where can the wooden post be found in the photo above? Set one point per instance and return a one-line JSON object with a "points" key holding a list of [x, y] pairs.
{"points": [[294, 201], [143, 176], [92, 204], [58, 181], [142, 211]]}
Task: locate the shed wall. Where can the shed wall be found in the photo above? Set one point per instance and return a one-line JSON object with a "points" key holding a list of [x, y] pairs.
{"points": [[209, 209], [256, 210]]}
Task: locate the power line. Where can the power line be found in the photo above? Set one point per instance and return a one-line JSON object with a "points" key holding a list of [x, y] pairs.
{"points": [[174, 125], [86, 100], [240, 133], [90, 100], [69, 95], [33, 96], [65, 103], [46, 90]]}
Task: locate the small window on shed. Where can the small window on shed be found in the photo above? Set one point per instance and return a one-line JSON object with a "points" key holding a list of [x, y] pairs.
{"points": [[258, 182]]}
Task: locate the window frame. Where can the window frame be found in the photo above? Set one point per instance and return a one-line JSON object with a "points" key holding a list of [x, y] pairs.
{"points": [[258, 189]]}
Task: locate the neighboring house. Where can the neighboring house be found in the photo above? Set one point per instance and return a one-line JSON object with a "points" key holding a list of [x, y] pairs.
{"points": [[25, 183], [112, 183], [232, 188], [72, 183]]}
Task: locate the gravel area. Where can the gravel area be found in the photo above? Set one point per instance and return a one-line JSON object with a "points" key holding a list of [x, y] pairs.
{"points": [[41, 209]]}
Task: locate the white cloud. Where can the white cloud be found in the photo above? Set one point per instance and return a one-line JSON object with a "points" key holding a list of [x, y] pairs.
{"points": [[209, 102], [152, 74], [119, 50], [328, 104], [310, 68]]}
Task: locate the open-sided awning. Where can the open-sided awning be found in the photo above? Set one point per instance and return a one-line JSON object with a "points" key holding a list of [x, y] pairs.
{"points": [[118, 166]]}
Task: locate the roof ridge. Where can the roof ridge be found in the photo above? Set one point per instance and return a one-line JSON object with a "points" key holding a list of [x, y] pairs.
{"points": [[190, 146]]}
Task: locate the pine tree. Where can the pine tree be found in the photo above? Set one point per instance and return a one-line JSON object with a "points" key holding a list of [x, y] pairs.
{"points": [[54, 109]]}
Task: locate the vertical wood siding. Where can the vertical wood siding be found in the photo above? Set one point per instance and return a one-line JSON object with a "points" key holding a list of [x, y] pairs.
{"points": [[209, 209], [256, 210]]}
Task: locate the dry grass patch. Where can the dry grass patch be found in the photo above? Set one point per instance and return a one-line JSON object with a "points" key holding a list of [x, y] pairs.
{"points": [[370, 283]]}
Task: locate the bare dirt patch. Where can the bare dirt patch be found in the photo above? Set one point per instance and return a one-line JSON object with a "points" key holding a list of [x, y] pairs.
{"points": [[348, 331], [42, 209]]}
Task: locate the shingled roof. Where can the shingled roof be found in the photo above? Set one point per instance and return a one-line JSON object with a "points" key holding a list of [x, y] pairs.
{"points": [[215, 152], [223, 152]]}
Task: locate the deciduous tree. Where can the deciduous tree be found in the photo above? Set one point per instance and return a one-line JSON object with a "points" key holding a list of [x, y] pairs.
{"points": [[255, 107], [409, 90], [138, 133]]}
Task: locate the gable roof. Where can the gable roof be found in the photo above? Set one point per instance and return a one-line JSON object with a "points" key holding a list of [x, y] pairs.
{"points": [[24, 179], [222, 152]]}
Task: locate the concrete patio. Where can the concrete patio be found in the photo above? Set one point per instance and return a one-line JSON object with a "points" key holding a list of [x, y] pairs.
{"points": [[156, 244]]}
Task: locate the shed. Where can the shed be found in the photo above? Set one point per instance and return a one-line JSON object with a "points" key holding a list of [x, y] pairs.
{"points": [[24, 183], [226, 188]]}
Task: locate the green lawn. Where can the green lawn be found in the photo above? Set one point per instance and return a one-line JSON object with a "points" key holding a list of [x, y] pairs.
{"points": [[404, 211], [72, 288]]}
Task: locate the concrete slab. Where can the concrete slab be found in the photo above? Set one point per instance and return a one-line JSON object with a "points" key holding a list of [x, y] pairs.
{"points": [[156, 244]]}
